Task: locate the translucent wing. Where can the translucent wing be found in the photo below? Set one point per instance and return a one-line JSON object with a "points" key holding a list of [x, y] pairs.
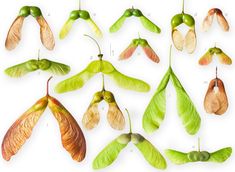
{"points": [[128, 52], [115, 117], [186, 109], [72, 137], [94, 27], [224, 58], [222, 22], [220, 155], [190, 41], [91, 117], [151, 154], [177, 39], [46, 34], [177, 157], [207, 22], [20, 69], [150, 53], [149, 24], [22, 129], [206, 58], [14, 33], [118, 24], [108, 155], [124, 81], [155, 111], [56, 68], [66, 28]]}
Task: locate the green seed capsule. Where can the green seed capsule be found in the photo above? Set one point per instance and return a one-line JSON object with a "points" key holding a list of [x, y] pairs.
{"points": [[188, 20], [84, 14], [217, 50], [35, 11], [44, 64], [32, 65], [143, 42], [98, 97], [74, 15], [136, 138], [137, 13], [204, 156], [176, 20], [194, 156], [128, 13], [211, 50], [109, 97], [24, 11], [124, 138], [135, 42]]}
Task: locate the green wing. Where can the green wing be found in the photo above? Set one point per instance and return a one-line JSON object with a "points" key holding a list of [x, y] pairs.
{"points": [[221, 155], [58, 68], [20, 69], [155, 111], [108, 155], [118, 24], [149, 25], [177, 157], [186, 109], [94, 27], [151, 154], [124, 81], [66, 28]]}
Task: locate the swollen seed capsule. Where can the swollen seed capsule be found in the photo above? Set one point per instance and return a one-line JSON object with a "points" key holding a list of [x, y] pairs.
{"points": [[176, 20], [109, 97], [188, 20], [74, 15], [32, 65], [137, 13], [217, 50], [124, 138], [24, 11], [84, 14], [98, 96], [136, 138], [128, 13], [143, 42], [35, 11], [44, 64], [204, 156], [194, 156]]}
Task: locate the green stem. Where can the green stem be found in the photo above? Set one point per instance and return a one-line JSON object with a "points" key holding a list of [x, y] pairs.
{"points": [[38, 54], [139, 34], [79, 4], [183, 7], [103, 86], [199, 145], [129, 118], [48, 85], [100, 54], [170, 55]]}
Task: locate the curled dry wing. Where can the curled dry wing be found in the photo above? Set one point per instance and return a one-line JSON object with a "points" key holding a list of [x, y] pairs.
{"points": [[14, 33], [178, 39], [216, 100], [115, 117], [22, 129], [72, 136], [91, 117], [151, 53], [128, 52], [190, 41], [46, 34]]}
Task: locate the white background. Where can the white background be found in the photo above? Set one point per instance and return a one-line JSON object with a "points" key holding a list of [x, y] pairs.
{"points": [[44, 151]]}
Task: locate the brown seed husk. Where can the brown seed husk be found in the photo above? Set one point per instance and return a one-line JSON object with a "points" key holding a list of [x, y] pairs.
{"points": [[216, 101], [14, 33], [190, 41], [222, 21], [115, 116], [91, 117]]}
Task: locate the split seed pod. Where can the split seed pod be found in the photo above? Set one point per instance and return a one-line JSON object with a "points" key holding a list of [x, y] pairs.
{"points": [[115, 117], [207, 22], [75, 15], [207, 57], [128, 52], [14, 33], [110, 153], [71, 135], [216, 101], [148, 24]]}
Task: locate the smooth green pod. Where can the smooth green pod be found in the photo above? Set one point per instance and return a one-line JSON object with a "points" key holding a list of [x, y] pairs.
{"points": [[143, 42], [176, 20], [204, 156], [136, 138], [194, 156], [84, 14], [128, 13], [35, 11], [217, 50], [108, 97], [24, 11], [74, 15], [188, 20], [32, 65], [44, 64], [97, 97], [137, 13], [124, 138]]}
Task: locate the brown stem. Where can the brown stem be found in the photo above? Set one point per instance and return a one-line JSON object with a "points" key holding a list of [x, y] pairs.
{"points": [[48, 85]]}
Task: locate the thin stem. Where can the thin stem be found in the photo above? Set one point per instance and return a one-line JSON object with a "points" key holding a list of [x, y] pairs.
{"points": [[139, 34], [103, 86], [79, 4], [199, 144], [95, 43], [183, 7], [170, 55], [38, 54], [48, 85], [216, 76], [129, 118]]}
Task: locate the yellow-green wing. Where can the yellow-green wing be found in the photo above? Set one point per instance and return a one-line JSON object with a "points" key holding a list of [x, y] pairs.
{"points": [[57, 68], [118, 24], [66, 28], [177, 157], [94, 27], [220, 155], [149, 25]]}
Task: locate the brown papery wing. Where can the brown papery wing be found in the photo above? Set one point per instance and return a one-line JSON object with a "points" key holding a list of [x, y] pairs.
{"points": [[207, 22], [22, 129], [151, 53], [222, 97], [115, 117], [46, 34], [14, 33], [222, 21], [127, 53], [190, 41], [91, 117], [72, 136]]}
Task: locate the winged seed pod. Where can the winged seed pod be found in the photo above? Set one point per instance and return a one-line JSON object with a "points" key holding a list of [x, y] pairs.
{"points": [[71, 135], [110, 153], [105, 67], [75, 15], [32, 65], [115, 117], [207, 22], [128, 52], [216, 101], [207, 57], [180, 158], [155, 112], [190, 40], [148, 24], [14, 33]]}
